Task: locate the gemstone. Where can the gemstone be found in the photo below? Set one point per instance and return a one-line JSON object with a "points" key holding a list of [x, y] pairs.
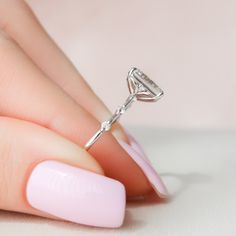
{"points": [[144, 88]]}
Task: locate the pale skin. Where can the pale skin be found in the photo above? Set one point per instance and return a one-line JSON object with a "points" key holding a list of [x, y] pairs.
{"points": [[48, 111]]}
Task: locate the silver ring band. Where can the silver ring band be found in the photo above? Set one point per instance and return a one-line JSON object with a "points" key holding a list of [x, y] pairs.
{"points": [[141, 88]]}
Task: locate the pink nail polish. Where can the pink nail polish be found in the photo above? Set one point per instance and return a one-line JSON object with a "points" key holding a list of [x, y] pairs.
{"points": [[136, 146], [147, 169], [76, 195]]}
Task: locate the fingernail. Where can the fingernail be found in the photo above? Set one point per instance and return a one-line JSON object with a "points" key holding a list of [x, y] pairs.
{"points": [[147, 169], [136, 146], [76, 195]]}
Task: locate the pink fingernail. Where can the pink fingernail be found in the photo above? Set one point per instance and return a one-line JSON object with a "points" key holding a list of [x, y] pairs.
{"points": [[136, 146], [76, 195], [147, 169]]}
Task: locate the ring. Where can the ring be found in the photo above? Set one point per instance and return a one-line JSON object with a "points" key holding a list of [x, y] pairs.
{"points": [[141, 88]]}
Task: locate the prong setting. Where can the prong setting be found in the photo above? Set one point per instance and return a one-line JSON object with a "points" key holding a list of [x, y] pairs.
{"points": [[141, 88], [146, 90]]}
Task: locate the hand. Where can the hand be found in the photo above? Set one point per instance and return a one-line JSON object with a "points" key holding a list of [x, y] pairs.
{"points": [[48, 112]]}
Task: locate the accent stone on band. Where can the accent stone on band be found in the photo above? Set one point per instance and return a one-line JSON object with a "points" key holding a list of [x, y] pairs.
{"points": [[141, 88]]}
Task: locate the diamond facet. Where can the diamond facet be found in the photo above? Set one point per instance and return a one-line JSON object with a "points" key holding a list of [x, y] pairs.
{"points": [[144, 88]]}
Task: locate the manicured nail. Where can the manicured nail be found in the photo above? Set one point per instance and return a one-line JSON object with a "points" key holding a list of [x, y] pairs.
{"points": [[76, 195], [136, 146], [147, 169]]}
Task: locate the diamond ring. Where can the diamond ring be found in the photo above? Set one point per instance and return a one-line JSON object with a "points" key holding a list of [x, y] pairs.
{"points": [[141, 88]]}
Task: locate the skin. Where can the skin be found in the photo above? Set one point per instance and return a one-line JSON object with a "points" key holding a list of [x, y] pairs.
{"points": [[48, 111]]}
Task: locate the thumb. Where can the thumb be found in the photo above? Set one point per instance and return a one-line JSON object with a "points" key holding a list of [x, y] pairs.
{"points": [[44, 174]]}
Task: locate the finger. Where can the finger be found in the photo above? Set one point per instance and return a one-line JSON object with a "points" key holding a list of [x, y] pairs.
{"points": [[60, 69], [64, 74], [26, 93], [44, 174]]}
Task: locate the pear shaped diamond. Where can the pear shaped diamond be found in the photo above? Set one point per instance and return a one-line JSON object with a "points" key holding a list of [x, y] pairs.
{"points": [[142, 86]]}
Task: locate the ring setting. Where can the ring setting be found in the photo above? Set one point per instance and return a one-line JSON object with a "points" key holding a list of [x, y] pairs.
{"points": [[141, 88]]}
